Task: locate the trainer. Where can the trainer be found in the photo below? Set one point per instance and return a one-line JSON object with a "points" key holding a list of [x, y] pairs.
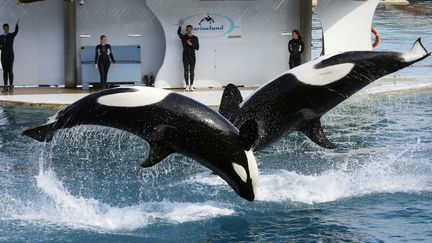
{"points": [[296, 48], [7, 56], [190, 45], [103, 58]]}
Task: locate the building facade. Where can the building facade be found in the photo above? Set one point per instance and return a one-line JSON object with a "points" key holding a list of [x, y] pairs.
{"points": [[242, 42]]}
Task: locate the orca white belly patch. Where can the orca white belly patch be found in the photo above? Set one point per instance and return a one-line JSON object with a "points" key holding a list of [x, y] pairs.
{"points": [[322, 76], [143, 96]]}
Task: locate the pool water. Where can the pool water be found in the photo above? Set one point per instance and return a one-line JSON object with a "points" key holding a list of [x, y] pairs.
{"points": [[87, 185]]}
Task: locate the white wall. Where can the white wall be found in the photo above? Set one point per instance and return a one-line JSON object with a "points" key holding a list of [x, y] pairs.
{"points": [[117, 19], [39, 52], [259, 55]]}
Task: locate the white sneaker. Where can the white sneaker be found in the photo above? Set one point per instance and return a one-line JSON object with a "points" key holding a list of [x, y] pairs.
{"points": [[191, 88], [187, 88]]}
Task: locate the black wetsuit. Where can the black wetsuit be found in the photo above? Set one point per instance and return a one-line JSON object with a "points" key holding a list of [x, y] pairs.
{"points": [[296, 48], [189, 58], [102, 59], [7, 56]]}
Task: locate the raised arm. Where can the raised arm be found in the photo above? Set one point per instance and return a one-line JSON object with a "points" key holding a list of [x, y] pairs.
{"points": [[179, 33], [16, 28]]}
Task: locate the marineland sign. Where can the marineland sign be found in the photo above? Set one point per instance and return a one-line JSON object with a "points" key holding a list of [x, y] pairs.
{"points": [[211, 25]]}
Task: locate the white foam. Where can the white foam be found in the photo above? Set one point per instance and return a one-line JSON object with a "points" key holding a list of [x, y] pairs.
{"points": [[331, 185], [336, 184], [77, 212], [54, 117], [142, 96], [207, 179]]}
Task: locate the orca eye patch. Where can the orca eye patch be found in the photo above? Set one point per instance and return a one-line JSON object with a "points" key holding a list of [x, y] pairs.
{"points": [[241, 172]]}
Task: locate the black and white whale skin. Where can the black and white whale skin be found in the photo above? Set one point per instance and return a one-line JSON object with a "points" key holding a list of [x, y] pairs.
{"points": [[170, 123], [296, 100]]}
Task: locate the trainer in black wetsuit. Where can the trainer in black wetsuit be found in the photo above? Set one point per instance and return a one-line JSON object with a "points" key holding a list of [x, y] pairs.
{"points": [[7, 56], [190, 45], [102, 60], [296, 48]]}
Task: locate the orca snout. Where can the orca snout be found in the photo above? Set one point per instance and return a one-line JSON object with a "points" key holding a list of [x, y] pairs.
{"points": [[247, 176], [248, 194]]}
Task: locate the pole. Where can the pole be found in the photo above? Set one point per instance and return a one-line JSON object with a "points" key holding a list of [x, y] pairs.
{"points": [[306, 28], [70, 44]]}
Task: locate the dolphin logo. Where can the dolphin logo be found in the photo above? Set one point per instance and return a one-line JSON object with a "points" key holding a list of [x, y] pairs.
{"points": [[207, 19]]}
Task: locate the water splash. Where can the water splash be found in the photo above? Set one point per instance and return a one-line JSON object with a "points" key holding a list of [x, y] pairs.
{"points": [[55, 204]]}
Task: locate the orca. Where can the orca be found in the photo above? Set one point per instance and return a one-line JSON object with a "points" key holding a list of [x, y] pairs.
{"points": [[297, 99], [170, 123]]}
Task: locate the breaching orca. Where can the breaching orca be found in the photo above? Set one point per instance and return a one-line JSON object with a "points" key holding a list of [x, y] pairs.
{"points": [[296, 100], [170, 123]]}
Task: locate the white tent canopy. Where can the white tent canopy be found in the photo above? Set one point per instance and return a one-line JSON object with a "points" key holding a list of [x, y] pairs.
{"points": [[346, 24]]}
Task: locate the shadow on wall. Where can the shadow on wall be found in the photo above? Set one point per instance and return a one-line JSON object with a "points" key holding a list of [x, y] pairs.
{"points": [[124, 22]]}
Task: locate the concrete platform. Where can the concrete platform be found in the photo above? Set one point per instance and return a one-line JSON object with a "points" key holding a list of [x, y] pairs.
{"points": [[63, 97], [59, 97], [397, 2]]}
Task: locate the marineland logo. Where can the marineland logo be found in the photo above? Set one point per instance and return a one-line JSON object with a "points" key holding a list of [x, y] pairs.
{"points": [[211, 25]]}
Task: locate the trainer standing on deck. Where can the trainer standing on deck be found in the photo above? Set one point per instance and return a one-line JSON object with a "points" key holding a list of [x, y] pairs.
{"points": [[296, 48], [7, 56], [190, 45], [102, 60]]}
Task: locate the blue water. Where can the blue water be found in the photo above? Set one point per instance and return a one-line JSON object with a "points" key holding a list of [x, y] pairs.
{"points": [[87, 185]]}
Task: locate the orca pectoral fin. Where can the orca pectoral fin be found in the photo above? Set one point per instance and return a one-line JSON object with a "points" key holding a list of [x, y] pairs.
{"points": [[157, 153], [249, 134], [43, 133], [230, 103], [161, 137], [314, 131]]}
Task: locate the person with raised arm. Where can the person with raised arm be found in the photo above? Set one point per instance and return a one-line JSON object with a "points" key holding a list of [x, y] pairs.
{"points": [[190, 44]]}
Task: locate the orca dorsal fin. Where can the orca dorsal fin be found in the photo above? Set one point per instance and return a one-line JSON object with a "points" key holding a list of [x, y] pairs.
{"points": [[157, 153], [249, 134], [314, 131], [230, 103]]}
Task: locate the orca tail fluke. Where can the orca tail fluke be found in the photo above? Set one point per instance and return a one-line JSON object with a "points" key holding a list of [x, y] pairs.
{"points": [[418, 48], [417, 53], [43, 133], [314, 131], [230, 103]]}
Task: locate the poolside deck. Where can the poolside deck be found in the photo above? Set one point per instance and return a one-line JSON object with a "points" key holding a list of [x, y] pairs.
{"points": [[58, 97], [398, 2]]}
